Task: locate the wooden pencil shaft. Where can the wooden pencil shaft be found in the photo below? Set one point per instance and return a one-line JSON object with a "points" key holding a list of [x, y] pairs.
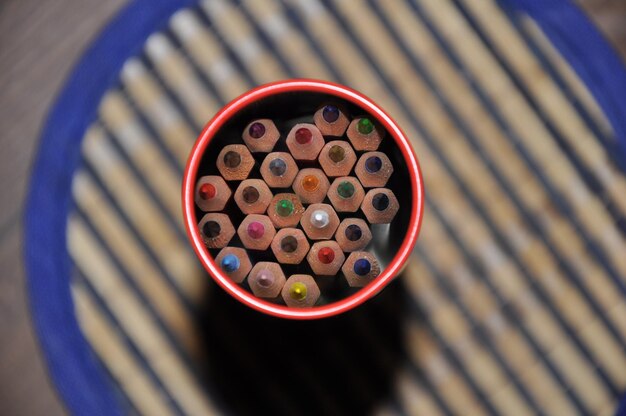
{"points": [[373, 169], [365, 134], [260, 135], [216, 230], [337, 158], [311, 185], [300, 291], [212, 193], [290, 246], [256, 232], [346, 194], [234, 261], [266, 280], [331, 119], [285, 210], [235, 162], [380, 206], [360, 268], [319, 221], [353, 234], [325, 258], [305, 141], [253, 196], [279, 169]]}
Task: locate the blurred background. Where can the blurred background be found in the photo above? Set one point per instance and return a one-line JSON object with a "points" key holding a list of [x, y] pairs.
{"points": [[552, 228]]}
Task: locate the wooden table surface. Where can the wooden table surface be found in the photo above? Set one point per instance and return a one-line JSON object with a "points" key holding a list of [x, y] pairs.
{"points": [[39, 44]]}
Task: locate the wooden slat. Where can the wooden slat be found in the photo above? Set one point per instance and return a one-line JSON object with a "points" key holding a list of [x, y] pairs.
{"points": [[106, 342], [208, 53], [145, 155], [588, 209], [569, 76], [456, 331], [237, 33], [291, 45], [151, 224], [138, 81], [178, 74], [522, 180], [415, 399], [552, 102], [135, 321], [152, 283], [480, 182]]}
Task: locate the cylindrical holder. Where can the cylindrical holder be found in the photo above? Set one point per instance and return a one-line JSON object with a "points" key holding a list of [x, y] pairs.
{"points": [[289, 103]]}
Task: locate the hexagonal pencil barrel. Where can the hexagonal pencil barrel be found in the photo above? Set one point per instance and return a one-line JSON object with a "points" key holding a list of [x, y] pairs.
{"points": [[373, 169], [346, 194], [216, 230], [353, 234], [360, 268], [331, 119], [235, 162], [234, 261], [364, 134], [260, 135], [212, 193], [290, 246], [319, 221], [380, 205], [305, 141], [325, 258], [285, 210], [311, 185], [279, 170], [253, 196], [337, 158], [300, 291], [256, 232], [266, 280]]}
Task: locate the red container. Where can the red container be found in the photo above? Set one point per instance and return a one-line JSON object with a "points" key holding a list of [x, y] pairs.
{"points": [[301, 95]]}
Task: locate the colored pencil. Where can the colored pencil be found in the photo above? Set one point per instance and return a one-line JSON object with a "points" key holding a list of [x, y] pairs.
{"points": [[256, 232], [285, 210], [300, 291], [260, 135], [216, 230], [373, 169], [360, 268], [311, 185], [290, 246], [253, 196], [325, 258], [279, 170], [346, 194], [266, 280], [234, 261], [235, 162], [331, 119], [353, 234], [380, 206], [337, 158], [364, 134], [212, 193], [305, 141], [319, 221]]}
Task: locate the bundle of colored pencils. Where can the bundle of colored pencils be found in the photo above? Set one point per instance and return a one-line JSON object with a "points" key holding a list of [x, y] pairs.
{"points": [[305, 212]]}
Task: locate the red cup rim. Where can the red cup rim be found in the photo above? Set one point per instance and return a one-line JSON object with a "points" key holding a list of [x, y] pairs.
{"points": [[295, 85]]}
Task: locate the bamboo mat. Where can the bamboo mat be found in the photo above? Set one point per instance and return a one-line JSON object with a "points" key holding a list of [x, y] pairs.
{"points": [[514, 301]]}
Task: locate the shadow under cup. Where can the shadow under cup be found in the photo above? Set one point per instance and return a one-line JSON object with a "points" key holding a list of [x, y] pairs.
{"points": [[286, 104]]}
